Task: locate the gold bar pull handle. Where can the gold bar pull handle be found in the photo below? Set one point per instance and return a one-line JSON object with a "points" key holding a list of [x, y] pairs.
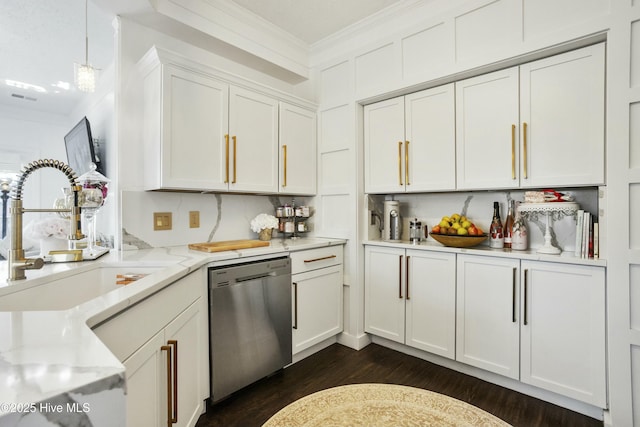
{"points": [[235, 163], [168, 348], [400, 277], [526, 284], [226, 158], [524, 148], [284, 155], [320, 259], [400, 162], [407, 278], [406, 163], [295, 305], [513, 151], [513, 297], [174, 343]]}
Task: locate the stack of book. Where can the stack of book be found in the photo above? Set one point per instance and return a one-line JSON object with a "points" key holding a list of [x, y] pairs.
{"points": [[587, 232]]}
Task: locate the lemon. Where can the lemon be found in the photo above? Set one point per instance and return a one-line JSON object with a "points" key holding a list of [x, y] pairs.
{"points": [[462, 231]]}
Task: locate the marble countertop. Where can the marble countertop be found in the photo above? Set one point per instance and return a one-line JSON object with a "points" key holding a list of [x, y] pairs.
{"points": [[46, 353]]}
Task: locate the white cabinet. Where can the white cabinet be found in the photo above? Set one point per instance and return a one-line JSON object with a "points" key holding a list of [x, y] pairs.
{"points": [[538, 322], [523, 126], [563, 335], [410, 142], [165, 355], [488, 330], [317, 278], [410, 297], [297, 150]]}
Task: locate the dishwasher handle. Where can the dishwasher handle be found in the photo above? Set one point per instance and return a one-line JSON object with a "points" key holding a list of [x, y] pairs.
{"points": [[254, 277]]}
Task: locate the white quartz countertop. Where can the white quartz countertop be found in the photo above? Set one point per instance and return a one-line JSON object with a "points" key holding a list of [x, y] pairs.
{"points": [[46, 353]]}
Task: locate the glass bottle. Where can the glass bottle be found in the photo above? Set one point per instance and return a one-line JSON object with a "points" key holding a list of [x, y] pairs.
{"points": [[508, 226], [496, 234], [519, 240]]}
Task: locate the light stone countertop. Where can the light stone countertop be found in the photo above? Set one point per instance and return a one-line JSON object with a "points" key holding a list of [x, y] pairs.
{"points": [[44, 354]]}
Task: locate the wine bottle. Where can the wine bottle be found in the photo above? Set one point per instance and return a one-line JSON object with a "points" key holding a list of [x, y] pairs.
{"points": [[519, 239], [508, 226], [496, 233]]}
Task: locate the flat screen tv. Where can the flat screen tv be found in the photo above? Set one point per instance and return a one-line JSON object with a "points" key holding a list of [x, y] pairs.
{"points": [[80, 149]]}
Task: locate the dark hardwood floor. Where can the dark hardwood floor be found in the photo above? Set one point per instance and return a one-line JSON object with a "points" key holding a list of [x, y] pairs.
{"points": [[338, 365]]}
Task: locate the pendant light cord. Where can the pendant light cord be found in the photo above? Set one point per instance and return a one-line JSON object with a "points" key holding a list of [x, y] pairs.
{"points": [[86, 32]]}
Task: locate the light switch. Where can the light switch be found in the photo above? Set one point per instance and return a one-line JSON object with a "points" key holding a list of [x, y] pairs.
{"points": [[162, 220], [194, 219]]}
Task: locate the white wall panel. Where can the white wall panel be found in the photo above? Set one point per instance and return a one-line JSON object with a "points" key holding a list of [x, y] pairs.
{"points": [[335, 171], [635, 54], [539, 21], [335, 84], [335, 129], [635, 383], [634, 135], [634, 212], [427, 53], [337, 213], [376, 70], [634, 296]]}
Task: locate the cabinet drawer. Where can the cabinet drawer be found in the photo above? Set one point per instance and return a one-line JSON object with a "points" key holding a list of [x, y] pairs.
{"points": [[313, 259], [128, 331]]}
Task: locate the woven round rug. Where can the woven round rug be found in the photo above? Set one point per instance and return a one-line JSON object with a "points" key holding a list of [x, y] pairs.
{"points": [[380, 405]]}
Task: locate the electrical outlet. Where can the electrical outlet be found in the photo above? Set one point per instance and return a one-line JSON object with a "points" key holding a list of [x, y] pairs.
{"points": [[162, 220], [194, 219]]}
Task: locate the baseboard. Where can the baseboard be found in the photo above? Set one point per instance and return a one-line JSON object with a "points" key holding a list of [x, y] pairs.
{"points": [[356, 342]]}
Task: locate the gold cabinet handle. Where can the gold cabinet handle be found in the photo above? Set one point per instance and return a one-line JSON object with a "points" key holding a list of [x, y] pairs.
{"points": [[172, 381], [400, 162], [406, 163], [295, 305], [284, 155], [226, 157], [407, 280], [513, 297], [320, 259], [400, 277], [235, 164], [526, 284], [513, 151], [524, 147]]}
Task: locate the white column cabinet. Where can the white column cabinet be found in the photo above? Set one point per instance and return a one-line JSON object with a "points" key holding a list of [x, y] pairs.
{"points": [[525, 126], [488, 329], [410, 142], [563, 323], [410, 298], [297, 150], [317, 280]]}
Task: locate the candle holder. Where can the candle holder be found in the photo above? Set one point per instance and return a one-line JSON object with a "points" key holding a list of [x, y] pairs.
{"points": [[553, 211]]}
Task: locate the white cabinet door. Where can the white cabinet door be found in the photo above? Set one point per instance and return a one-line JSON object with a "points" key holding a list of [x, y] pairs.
{"points": [[186, 331], [384, 292], [488, 329], [253, 146], [297, 150], [487, 131], [431, 301], [430, 140], [562, 101], [563, 330], [317, 306], [384, 146], [184, 130], [146, 372]]}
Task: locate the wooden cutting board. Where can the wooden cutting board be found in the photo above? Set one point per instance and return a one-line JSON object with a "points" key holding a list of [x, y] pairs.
{"points": [[227, 245]]}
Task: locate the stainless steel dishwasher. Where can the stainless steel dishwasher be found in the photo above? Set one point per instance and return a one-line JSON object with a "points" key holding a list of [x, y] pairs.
{"points": [[249, 323]]}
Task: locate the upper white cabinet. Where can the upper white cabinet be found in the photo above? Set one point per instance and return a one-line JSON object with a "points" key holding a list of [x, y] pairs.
{"points": [[202, 133], [525, 126], [410, 142], [297, 150]]}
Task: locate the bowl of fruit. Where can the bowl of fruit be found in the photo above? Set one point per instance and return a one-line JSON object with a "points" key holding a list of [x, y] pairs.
{"points": [[457, 231]]}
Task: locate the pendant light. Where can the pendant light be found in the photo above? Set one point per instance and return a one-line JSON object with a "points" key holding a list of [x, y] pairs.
{"points": [[85, 74]]}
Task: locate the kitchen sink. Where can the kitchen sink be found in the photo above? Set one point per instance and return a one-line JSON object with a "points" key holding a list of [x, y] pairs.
{"points": [[73, 289]]}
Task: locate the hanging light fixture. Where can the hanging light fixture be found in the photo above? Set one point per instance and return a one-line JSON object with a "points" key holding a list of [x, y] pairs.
{"points": [[85, 74]]}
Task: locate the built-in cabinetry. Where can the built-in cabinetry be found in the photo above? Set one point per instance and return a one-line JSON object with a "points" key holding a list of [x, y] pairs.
{"points": [[316, 277], [410, 142], [162, 343], [203, 133], [537, 125], [410, 297]]}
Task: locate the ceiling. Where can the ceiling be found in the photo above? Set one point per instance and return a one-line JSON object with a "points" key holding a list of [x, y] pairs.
{"points": [[43, 38]]}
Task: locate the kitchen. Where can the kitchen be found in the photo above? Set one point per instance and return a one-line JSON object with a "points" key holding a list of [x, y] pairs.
{"points": [[381, 62]]}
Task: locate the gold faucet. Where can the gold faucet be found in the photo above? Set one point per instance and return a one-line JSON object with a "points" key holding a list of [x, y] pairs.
{"points": [[17, 261]]}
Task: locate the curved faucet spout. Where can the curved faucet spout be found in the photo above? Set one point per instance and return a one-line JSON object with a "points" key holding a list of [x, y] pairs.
{"points": [[17, 261]]}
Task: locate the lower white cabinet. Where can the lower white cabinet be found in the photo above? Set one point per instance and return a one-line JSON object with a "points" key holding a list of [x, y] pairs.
{"points": [[542, 323], [161, 341], [317, 278], [410, 297]]}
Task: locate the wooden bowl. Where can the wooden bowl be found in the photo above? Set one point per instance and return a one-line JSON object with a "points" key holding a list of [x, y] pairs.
{"points": [[456, 241]]}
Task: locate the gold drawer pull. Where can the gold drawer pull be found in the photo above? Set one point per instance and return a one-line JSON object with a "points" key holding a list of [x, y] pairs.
{"points": [[320, 259]]}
